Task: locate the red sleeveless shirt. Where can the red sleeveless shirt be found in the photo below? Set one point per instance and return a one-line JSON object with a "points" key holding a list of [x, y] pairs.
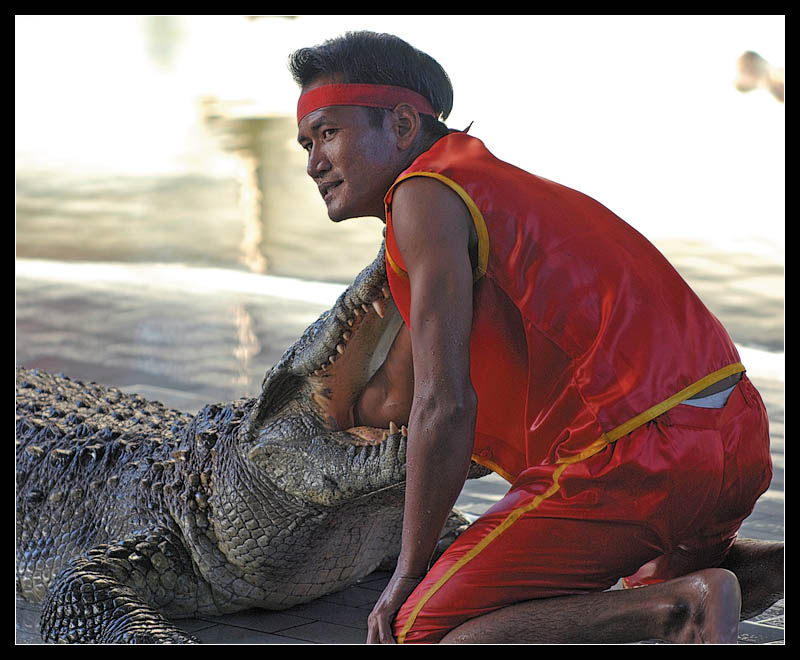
{"points": [[582, 330]]}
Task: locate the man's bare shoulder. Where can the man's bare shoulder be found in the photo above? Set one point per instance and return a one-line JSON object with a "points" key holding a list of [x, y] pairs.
{"points": [[429, 219], [424, 207], [421, 189]]}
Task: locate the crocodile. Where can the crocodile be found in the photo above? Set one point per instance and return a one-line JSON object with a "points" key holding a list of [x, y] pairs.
{"points": [[131, 515]]}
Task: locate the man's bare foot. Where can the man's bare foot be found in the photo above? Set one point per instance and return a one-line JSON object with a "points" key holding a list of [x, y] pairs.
{"points": [[703, 608], [759, 566]]}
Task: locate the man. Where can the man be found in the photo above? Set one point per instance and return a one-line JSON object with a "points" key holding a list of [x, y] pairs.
{"points": [[546, 339]]}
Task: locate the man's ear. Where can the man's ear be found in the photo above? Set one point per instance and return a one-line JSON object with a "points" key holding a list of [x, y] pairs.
{"points": [[406, 125]]}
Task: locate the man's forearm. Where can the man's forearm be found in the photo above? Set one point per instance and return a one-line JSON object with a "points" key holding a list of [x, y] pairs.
{"points": [[439, 452]]}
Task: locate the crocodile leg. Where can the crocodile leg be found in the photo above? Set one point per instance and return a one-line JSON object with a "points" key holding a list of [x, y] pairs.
{"points": [[115, 593]]}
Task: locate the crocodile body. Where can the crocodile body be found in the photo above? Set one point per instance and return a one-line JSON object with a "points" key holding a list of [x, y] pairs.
{"points": [[131, 515]]}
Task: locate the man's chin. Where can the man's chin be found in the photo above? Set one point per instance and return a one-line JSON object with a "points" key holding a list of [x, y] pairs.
{"points": [[337, 215]]}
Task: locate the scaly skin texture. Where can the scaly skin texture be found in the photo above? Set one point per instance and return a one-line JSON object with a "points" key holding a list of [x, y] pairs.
{"points": [[130, 514]]}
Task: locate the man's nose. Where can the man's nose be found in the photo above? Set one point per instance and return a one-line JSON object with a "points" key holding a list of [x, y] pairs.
{"points": [[318, 163]]}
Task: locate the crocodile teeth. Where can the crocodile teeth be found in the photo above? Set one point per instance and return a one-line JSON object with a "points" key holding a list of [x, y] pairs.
{"points": [[346, 335], [403, 431], [387, 293], [379, 308], [392, 428], [340, 348]]}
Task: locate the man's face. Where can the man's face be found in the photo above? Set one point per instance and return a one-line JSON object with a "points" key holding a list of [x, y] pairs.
{"points": [[352, 161]]}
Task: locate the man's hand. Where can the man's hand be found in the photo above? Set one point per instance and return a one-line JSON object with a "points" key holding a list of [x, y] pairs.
{"points": [[382, 616]]}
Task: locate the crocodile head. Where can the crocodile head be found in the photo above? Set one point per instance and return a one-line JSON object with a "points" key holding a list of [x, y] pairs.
{"points": [[297, 432]]}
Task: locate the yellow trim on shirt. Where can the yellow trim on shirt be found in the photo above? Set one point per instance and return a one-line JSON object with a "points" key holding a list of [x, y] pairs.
{"points": [[395, 266], [597, 446], [477, 220], [491, 536], [674, 400], [494, 467]]}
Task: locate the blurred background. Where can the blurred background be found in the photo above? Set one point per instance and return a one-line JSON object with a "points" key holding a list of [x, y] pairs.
{"points": [[167, 235], [162, 138]]}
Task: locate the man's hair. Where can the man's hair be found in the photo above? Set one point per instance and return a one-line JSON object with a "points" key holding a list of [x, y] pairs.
{"points": [[378, 59]]}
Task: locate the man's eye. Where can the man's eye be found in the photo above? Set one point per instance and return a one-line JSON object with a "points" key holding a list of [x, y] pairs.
{"points": [[328, 133]]}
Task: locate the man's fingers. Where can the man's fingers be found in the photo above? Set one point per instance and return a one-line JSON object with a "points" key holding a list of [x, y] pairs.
{"points": [[379, 622], [387, 636], [380, 631]]}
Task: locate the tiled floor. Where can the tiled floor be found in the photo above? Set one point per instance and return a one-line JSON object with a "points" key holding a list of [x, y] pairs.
{"points": [[341, 618]]}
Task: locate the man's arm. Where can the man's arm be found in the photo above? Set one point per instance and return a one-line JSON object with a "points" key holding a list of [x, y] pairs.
{"points": [[432, 227]]}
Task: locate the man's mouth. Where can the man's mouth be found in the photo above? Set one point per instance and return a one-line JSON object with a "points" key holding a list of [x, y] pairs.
{"points": [[325, 189]]}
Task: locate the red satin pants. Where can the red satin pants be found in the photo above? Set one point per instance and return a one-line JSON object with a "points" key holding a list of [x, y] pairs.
{"points": [[661, 502]]}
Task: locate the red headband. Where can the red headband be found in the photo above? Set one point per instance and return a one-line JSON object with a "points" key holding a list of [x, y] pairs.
{"points": [[373, 96]]}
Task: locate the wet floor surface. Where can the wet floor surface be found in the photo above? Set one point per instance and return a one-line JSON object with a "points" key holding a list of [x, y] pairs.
{"points": [[187, 342]]}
